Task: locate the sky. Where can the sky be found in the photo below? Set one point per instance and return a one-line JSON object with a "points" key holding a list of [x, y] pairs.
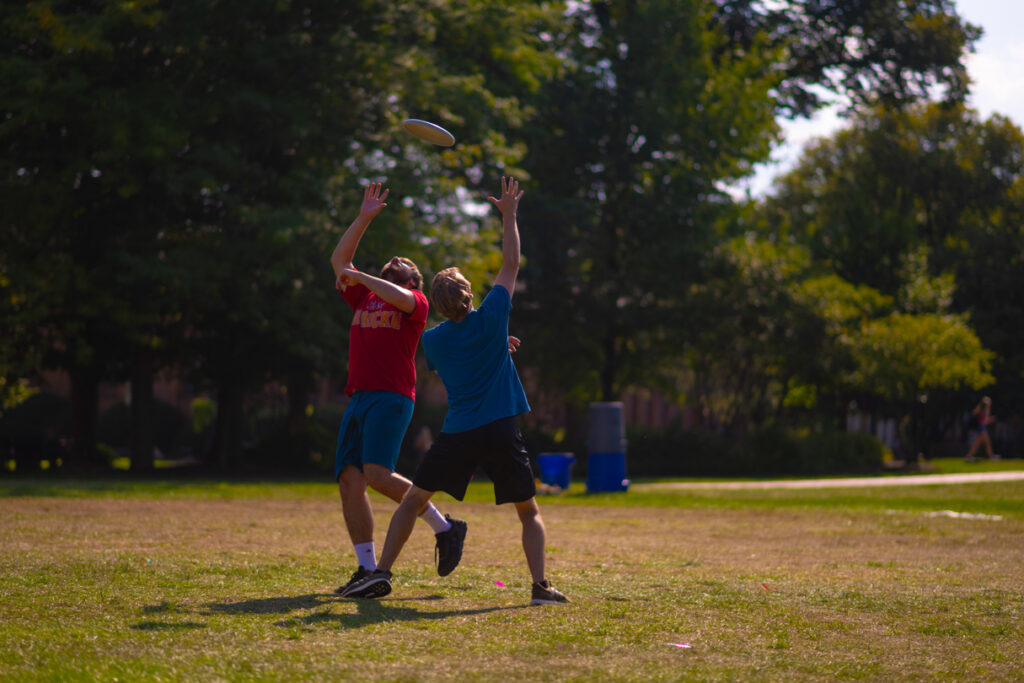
{"points": [[996, 69]]}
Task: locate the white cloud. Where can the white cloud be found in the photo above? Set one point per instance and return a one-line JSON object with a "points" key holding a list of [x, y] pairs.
{"points": [[797, 135], [998, 82]]}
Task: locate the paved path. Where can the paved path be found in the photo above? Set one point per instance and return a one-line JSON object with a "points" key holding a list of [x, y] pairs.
{"points": [[858, 482]]}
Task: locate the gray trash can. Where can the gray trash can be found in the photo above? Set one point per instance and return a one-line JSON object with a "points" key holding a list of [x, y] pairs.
{"points": [[606, 462]]}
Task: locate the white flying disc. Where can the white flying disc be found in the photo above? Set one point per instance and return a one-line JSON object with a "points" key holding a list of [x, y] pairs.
{"points": [[429, 132]]}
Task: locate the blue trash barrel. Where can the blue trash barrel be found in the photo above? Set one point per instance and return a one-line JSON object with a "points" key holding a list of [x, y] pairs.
{"points": [[556, 469], [606, 463]]}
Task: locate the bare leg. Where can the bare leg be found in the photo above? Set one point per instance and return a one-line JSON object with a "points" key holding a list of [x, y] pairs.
{"points": [[383, 480], [355, 505], [533, 537], [982, 438], [402, 523]]}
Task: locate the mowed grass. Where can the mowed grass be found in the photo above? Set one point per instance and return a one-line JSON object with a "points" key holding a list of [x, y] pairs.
{"points": [[130, 579]]}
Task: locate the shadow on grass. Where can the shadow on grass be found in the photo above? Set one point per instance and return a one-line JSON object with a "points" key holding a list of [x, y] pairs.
{"points": [[375, 611], [282, 605], [165, 626], [367, 611]]}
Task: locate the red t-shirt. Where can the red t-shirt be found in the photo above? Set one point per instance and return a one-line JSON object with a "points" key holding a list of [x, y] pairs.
{"points": [[382, 343]]}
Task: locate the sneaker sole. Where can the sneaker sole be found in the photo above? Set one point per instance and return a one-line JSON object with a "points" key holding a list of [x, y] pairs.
{"points": [[377, 589], [542, 601], [343, 591]]}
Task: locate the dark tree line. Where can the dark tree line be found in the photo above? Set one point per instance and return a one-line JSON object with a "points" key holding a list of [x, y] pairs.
{"points": [[174, 175]]}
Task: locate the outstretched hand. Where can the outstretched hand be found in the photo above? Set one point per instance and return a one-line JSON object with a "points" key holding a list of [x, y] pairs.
{"points": [[510, 196], [373, 200], [513, 344]]}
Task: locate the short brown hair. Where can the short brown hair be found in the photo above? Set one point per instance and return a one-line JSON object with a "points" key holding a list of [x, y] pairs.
{"points": [[452, 294], [416, 278]]}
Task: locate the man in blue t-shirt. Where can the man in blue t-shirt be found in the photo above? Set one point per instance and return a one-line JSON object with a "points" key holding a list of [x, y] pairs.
{"points": [[471, 353]]}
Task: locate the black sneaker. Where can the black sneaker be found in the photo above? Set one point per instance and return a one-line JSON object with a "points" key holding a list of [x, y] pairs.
{"points": [[376, 584], [545, 594], [356, 577], [448, 550]]}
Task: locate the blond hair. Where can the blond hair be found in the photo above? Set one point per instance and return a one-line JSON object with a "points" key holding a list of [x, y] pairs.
{"points": [[451, 294]]}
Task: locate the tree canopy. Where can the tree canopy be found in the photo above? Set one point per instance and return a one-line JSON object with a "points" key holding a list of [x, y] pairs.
{"points": [[175, 176]]}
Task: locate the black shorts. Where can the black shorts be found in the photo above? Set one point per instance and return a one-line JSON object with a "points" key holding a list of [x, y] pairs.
{"points": [[498, 448]]}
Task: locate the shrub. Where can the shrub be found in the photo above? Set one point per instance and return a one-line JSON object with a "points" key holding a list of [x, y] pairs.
{"points": [[310, 449], [675, 451], [171, 430], [770, 450], [40, 415]]}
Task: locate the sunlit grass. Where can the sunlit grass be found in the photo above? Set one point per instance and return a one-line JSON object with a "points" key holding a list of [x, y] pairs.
{"points": [[198, 580]]}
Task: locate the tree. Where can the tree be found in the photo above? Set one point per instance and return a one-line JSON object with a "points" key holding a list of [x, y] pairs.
{"points": [[90, 138], [754, 337], [843, 308], [932, 185], [660, 104], [149, 149], [168, 166], [906, 357], [654, 107], [869, 52], [901, 355]]}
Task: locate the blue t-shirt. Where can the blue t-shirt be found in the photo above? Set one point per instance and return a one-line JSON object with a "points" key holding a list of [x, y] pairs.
{"points": [[474, 362]]}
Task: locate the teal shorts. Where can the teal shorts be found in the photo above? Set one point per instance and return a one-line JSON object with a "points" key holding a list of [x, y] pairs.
{"points": [[372, 430]]}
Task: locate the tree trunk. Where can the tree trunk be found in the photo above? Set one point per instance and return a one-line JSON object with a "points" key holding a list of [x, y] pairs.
{"points": [[297, 452], [299, 386], [143, 412], [609, 369], [84, 414], [227, 438]]}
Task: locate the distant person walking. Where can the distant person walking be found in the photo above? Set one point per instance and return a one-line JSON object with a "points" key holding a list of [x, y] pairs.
{"points": [[982, 416], [470, 351], [390, 313]]}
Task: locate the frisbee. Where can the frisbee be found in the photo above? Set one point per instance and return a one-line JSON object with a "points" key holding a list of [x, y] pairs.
{"points": [[429, 132]]}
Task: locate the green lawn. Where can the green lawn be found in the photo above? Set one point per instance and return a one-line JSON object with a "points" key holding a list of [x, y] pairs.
{"points": [[181, 579]]}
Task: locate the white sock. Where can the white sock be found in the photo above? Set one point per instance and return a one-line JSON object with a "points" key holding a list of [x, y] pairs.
{"points": [[367, 556], [434, 518]]}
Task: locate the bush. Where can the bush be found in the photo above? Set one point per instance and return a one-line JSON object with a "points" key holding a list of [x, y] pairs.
{"points": [[40, 415], [833, 451], [32, 433], [310, 449], [415, 443], [678, 451], [674, 452], [171, 429], [313, 449]]}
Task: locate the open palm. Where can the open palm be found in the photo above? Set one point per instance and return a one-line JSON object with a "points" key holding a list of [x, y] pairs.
{"points": [[373, 200]]}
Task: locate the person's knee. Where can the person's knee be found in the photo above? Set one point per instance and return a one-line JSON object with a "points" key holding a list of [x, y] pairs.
{"points": [[351, 482], [416, 499], [377, 477], [528, 511]]}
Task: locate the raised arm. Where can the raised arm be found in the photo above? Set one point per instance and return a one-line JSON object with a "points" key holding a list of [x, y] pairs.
{"points": [[508, 205], [398, 296], [373, 203]]}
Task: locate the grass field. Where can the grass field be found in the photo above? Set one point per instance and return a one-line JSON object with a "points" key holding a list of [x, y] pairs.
{"points": [[181, 579]]}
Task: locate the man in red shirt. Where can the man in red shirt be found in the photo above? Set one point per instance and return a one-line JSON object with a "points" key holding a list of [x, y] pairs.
{"points": [[390, 313]]}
